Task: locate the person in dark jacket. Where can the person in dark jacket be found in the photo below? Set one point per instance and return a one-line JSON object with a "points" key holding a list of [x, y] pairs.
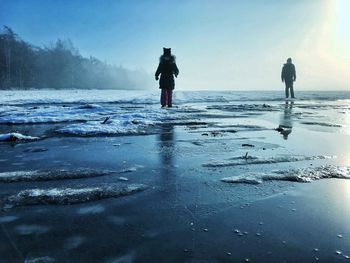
{"points": [[166, 69], [288, 76]]}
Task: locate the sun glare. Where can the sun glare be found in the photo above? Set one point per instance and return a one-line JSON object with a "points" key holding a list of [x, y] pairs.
{"points": [[341, 27]]}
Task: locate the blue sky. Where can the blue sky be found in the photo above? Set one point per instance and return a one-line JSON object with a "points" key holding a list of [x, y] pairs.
{"points": [[219, 44]]}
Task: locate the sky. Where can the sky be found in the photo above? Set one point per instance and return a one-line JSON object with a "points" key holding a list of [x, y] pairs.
{"points": [[219, 44]]}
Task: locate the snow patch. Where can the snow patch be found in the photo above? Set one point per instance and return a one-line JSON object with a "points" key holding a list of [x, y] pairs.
{"points": [[303, 175], [247, 160], [66, 196], [12, 137], [18, 176]]}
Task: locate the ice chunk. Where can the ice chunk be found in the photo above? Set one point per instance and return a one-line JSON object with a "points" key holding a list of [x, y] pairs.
{"points": [[246, 160], [40, 260], [66, 196], [249, 179], [303, 175], [17, 176], [12, 137], [310, 174]]}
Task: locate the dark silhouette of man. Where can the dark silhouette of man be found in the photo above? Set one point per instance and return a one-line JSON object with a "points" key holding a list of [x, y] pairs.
{"points": [[166, 69], [288, 76]]}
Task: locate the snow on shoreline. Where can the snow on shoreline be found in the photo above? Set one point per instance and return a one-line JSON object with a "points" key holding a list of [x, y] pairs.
{"points": [[20, 97]]}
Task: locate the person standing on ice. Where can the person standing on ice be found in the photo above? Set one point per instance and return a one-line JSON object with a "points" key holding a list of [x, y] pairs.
{"points": [[288, 76], [166, 69]]}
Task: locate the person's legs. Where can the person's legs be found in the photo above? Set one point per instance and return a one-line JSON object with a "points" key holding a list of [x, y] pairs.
{"points": [[292, 91], [287, 90], [163, 98], [170, 98]]}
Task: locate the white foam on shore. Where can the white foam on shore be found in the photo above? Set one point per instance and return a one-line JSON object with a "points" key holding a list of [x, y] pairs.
{"points": [[8, 137]]}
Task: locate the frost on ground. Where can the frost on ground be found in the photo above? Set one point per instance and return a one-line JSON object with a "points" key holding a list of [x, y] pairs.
{"points": [[244, 107], [95, 209], [18, 176], [74, 242], [121, 127], [66, 196], [12, 137], [7, 219], [31, 229], [40, 260], [54, 114], [246, 160], [303, 175]]}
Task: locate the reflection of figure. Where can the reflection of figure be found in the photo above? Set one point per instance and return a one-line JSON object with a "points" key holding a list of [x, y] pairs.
{"points": [[288, 76], [167, 169], [166, 146], [286, 122], [166, 69]]}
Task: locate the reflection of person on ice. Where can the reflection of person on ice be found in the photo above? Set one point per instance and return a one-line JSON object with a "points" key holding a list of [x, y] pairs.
{"points": [[167, 69], [288, 76]]}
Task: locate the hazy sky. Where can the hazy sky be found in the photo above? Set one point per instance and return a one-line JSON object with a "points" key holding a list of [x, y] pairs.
{"points": [[219, 44]]}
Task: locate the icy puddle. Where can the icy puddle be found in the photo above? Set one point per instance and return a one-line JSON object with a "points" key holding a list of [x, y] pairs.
{"points": [[66, 196], [247, 160], [303, 175], [27, 176]]}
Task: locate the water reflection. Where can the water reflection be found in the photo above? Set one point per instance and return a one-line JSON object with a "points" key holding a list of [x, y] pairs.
{"points": [[286, 121], [167, 169], [166, 147]]}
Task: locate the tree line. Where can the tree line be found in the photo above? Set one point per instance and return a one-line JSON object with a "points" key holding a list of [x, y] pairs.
{"points": [[59, 66]]}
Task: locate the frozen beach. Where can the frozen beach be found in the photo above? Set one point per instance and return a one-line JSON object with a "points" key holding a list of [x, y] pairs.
{"points": [[109, 176]]}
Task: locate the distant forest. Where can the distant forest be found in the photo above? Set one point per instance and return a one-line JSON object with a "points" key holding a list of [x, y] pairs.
{"points": [[59, 66]]}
